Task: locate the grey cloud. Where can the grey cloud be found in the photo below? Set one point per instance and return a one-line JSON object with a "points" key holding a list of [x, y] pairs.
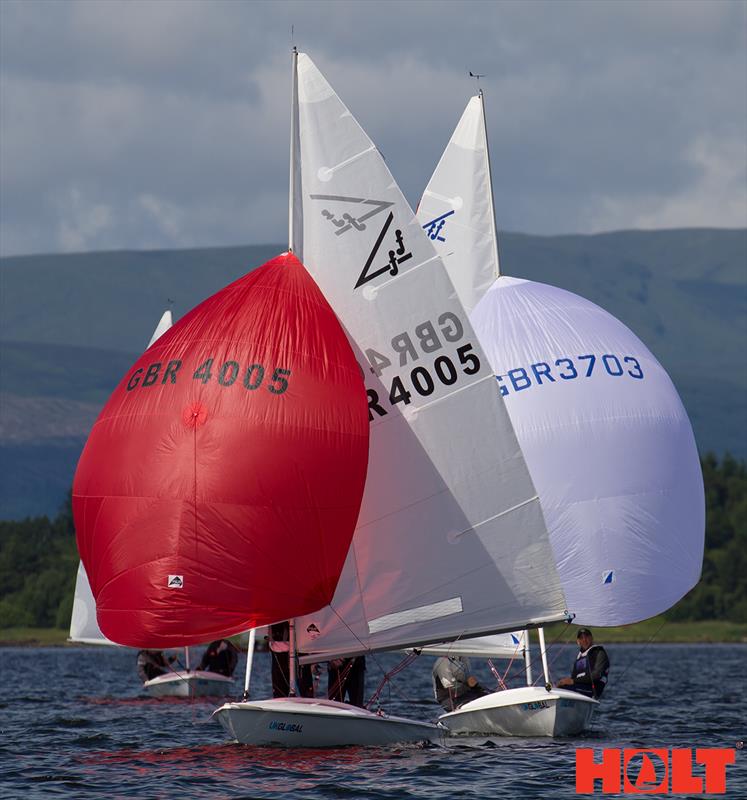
{"points": [[140, 124]]}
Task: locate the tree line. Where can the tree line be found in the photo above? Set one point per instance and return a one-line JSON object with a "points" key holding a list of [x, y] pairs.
{"points": [[39, 559]]}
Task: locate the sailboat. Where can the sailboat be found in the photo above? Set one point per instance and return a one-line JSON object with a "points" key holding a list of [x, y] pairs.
{"points": [[605, 436], [182, 682], [450, 540]]}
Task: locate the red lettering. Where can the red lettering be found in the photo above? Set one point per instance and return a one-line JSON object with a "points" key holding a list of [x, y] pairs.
{"points": [[683, 780], [587, 771], [716, 760]]}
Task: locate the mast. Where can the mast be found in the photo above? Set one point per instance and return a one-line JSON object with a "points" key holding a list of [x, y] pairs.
{"points": [[490, 187], [292, 688], [249, 660], [543, 653], [292, 243], [527, 658]]}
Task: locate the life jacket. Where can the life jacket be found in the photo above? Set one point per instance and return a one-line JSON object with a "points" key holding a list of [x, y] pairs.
{"points": [[582, 668]]}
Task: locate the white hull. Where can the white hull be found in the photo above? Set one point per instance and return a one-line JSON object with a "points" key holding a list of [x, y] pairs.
{"points": [[193, 683], [315, 722], [526, 711]]}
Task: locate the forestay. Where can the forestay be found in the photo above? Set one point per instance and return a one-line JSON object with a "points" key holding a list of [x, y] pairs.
{"points": [[456, 210], [450, 539]]}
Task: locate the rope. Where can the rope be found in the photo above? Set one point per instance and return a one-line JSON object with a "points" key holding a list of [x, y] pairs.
{"points": [[406, 661]]}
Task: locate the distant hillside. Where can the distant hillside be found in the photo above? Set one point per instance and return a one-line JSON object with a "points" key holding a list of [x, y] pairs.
{"points": [[70, 325]]}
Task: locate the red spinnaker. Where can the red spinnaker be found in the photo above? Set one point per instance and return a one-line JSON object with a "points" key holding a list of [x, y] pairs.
{"points": [[220, 486]]}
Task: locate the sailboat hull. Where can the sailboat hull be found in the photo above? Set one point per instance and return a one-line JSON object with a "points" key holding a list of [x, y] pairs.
{"points": [[312, 722], [195, 683], [525, 711]]}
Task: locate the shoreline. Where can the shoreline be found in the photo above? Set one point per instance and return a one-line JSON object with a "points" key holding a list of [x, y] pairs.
{"points": [[651, 631]]}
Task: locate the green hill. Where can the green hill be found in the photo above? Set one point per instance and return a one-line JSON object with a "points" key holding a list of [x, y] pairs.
{"points": [[70, 325]]}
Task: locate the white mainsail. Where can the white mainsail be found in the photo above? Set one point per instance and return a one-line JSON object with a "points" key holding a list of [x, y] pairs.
{"points": [[608, 443], [450, 540], [456, 210], [83, 625]]}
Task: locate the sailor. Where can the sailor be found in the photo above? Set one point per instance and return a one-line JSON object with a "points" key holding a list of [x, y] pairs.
{"points": [[152, 663], [221, 657], [280, 651], [590, 670], [453, 684], [347, 676]]}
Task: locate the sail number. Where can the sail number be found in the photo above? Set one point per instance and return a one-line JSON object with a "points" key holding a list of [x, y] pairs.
{"points": [[406, 349], [251, 377], [568, 369], [423, 380]]}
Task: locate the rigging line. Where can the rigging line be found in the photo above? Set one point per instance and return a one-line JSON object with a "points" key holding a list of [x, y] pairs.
{"points": [[368, 652], [646, 644]]}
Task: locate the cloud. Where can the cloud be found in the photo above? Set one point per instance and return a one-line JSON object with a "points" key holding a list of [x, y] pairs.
{"points": [[167, 123]]}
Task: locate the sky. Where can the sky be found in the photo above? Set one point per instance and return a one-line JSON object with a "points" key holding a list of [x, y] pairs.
{"points": [[141, 125]]}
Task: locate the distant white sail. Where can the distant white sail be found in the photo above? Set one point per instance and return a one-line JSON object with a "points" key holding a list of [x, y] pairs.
{"points": [[164, 324], [608, 443], [83, 625], [450, 540], [456, 210]]}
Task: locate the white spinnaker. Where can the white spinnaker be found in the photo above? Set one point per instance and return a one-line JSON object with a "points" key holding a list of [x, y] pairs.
{"points": [[456, 210], [502, 645], [612, 455], [83, 625], [450, 539], [609, 447]]}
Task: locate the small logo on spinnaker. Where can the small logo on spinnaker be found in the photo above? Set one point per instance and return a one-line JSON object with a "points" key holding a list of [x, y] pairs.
{"points": [[175, 582]]}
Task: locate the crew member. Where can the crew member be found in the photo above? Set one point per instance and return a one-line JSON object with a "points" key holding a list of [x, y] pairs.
{"points": [[347, 676], [453, 684], [152, 663], [221, 657], [590, 670]]}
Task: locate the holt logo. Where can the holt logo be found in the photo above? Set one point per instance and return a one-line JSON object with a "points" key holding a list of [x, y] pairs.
{"points": [[658, 771]]}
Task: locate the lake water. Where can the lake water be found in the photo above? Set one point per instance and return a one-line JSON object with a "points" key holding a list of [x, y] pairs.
{"points": [[73, 723]]}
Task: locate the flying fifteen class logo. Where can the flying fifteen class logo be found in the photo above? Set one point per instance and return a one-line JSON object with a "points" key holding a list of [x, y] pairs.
{"points": [[339, 211], [435, 227]]}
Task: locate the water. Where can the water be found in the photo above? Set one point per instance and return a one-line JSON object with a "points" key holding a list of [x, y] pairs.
{"points": [[74, 724]]}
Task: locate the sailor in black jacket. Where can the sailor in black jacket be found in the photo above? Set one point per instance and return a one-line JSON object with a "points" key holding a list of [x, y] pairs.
{"points": [[590, 670]]}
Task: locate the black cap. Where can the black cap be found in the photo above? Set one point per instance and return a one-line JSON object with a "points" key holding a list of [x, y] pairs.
{"points": [[583, 632]]}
